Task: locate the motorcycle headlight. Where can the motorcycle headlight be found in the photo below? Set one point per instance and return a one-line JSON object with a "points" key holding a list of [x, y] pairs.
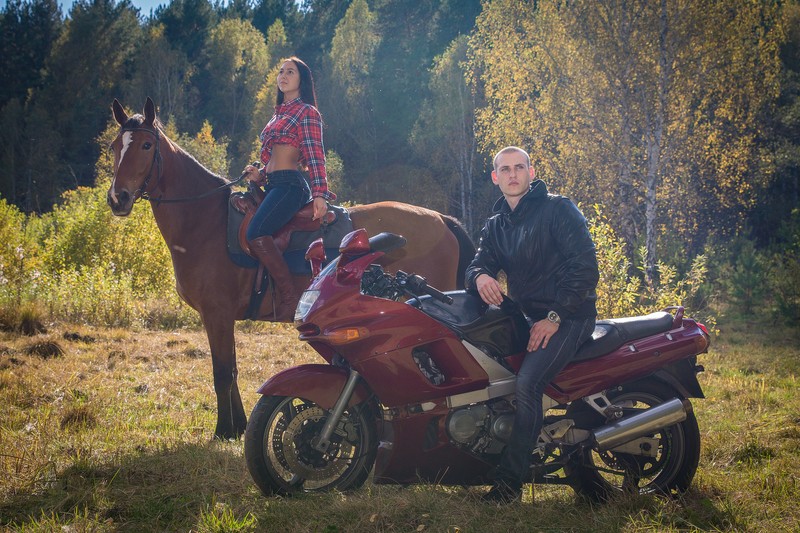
{"points": [[307, 300]]}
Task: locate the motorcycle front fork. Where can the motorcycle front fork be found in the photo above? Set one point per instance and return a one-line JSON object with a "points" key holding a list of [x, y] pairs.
{"points": [[323, 441]]}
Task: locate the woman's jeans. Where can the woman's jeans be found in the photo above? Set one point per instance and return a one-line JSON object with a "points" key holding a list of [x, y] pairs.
{"points": [[287, 191], [538, 369]]}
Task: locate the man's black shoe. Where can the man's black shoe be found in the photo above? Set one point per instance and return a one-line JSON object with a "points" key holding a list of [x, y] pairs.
{"points": [[502, 494]]}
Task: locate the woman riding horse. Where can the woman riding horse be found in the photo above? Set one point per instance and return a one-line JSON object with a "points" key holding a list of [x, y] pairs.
{"points": [[292, 138]]}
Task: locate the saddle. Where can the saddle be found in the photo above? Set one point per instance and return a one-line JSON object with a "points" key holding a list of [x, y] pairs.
{"points": [[247, 204], [293, 239]]}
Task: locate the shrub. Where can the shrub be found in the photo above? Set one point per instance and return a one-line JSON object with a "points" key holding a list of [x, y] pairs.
{"points": [[82, 233], [19, 262], [784, 272], [746, 277], [621, 294], [617, 293], [93, 293]]}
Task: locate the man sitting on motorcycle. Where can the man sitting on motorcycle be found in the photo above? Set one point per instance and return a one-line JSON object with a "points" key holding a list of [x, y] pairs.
{"points": [[542, 243]]}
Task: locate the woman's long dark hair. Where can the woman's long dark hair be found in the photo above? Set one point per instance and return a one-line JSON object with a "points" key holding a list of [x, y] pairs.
{"points": [[307, 92]]}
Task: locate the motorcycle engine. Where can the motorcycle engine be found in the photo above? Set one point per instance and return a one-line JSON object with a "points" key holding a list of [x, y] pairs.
{"points": [[481, 428]]}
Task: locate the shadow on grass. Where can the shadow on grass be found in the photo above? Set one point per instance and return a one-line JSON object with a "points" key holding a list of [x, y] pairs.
{"points": [[694, 510], [707, 511], [177, 489], [158, 490]]}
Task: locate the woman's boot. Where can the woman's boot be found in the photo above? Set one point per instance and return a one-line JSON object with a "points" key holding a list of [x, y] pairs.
{"points": [[268, 254]]}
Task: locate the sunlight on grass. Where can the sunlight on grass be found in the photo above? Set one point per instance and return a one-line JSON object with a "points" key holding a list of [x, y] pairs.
{"points": [[115, 434]]}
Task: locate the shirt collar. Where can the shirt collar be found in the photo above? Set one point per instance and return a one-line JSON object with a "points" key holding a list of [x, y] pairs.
{"points": [[294, 101]]}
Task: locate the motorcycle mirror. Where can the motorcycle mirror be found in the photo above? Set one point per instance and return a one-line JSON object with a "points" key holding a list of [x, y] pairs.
{"points": [[355, 243], [315, 254]]}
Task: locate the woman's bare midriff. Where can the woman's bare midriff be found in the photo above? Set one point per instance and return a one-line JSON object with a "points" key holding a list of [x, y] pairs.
{"points": [[283, 157]]}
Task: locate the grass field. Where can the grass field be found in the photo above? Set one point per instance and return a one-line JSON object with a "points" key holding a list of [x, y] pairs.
{"points": [[110, 430]]}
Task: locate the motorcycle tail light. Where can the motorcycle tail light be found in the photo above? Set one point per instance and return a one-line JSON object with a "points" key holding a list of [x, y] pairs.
{"points": [[703, 328]]}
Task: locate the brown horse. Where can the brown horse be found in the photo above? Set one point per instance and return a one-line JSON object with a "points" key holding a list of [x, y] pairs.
{"points": [[149, 165]]}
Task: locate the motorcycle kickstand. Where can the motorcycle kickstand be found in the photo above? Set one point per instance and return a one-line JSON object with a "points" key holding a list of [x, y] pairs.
{"points": [[323, 441]]}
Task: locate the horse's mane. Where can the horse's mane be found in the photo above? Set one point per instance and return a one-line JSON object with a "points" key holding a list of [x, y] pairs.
{"points": [[137, 121]]}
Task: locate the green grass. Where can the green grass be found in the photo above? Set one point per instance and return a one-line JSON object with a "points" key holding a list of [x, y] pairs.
{"points": [[110, 430]]}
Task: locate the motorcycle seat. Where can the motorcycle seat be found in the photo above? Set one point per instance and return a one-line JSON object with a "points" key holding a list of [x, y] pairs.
{"points": [[610, 334], [502, 331]]}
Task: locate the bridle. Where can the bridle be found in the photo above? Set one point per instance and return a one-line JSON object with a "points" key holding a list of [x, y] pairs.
{"points": [[142, 191]]}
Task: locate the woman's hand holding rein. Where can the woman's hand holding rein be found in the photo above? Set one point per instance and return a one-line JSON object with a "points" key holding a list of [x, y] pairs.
{"points": [[320, 207]]}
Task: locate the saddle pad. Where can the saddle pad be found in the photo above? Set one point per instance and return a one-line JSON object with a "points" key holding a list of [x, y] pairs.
{"points": [[332, 234], [298, 243]]}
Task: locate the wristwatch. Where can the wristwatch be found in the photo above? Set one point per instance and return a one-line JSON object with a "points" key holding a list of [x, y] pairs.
{"points": [[553, 317]]}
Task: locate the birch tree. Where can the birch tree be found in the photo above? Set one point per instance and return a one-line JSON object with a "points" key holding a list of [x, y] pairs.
{"points": [[641, 105]]}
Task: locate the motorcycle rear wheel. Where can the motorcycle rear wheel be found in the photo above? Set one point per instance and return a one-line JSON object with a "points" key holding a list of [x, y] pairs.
{"points": [[601, 475], [280, 455]]}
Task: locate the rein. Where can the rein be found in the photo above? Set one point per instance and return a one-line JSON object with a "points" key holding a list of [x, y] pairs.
{"points": [[141, 192]]}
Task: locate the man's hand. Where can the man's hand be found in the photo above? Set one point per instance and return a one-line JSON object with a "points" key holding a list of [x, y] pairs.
{"points": [[320, 207], [489, 289], [540, 334]]}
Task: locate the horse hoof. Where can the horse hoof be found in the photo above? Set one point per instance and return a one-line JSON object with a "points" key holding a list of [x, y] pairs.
{"points": [[218, 437]]}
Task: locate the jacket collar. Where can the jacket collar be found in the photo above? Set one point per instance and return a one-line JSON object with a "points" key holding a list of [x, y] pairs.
{"points": [[537, 190]]}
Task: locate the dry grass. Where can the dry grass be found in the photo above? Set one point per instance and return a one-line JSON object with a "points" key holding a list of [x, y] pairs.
{"points": [[115, 435]]}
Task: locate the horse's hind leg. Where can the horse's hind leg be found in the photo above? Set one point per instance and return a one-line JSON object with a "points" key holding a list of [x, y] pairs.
{"points": [[231, 419]]}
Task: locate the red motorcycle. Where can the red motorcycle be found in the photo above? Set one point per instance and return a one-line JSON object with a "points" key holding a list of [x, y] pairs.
{"points": [[423, 391]]}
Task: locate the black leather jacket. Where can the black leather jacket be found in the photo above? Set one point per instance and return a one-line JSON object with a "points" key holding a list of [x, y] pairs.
{"points": [[546, 251]]}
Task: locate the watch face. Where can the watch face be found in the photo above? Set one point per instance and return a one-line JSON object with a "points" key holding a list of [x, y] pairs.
{"points": [[552, 316]]}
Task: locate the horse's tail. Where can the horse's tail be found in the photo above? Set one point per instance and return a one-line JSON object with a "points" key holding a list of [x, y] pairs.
{"points": [[466, 248]]}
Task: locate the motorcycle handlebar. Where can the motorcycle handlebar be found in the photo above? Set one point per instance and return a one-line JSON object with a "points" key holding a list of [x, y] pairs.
{"points": [[415, 284]]}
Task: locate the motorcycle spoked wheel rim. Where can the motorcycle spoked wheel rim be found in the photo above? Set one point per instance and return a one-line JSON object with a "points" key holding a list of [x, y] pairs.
{"points": [[287, 445], [671, 469]]}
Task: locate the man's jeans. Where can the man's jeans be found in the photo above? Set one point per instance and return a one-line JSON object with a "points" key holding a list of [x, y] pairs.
{"points": [[538, 369]]}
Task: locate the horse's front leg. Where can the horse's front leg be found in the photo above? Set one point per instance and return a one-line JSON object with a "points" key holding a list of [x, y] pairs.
{"points": [[231, 419]]}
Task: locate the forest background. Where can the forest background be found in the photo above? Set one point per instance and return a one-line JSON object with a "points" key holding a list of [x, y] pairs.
{"points": [[674, 124]]}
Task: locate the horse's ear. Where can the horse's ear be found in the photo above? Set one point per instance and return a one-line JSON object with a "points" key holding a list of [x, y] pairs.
{"points": [[119, 113], [149, 112]]}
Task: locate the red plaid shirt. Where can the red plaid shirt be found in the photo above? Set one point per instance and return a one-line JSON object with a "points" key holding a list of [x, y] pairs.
{"points": [[300, 125]]}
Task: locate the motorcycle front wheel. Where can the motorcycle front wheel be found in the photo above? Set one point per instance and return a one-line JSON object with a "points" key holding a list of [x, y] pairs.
{"points": [[668, 468], [281, 458]]}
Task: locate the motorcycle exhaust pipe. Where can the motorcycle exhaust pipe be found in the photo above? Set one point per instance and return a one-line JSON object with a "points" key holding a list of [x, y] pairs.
{"points": [[648, 421]]}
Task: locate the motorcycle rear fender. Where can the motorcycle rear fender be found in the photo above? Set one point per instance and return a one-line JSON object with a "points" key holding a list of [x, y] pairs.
{"points": [[322, 384], [682, 376]]}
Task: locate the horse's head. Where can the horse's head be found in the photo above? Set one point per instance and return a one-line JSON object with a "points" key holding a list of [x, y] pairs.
{"points": [[137, 159]]}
